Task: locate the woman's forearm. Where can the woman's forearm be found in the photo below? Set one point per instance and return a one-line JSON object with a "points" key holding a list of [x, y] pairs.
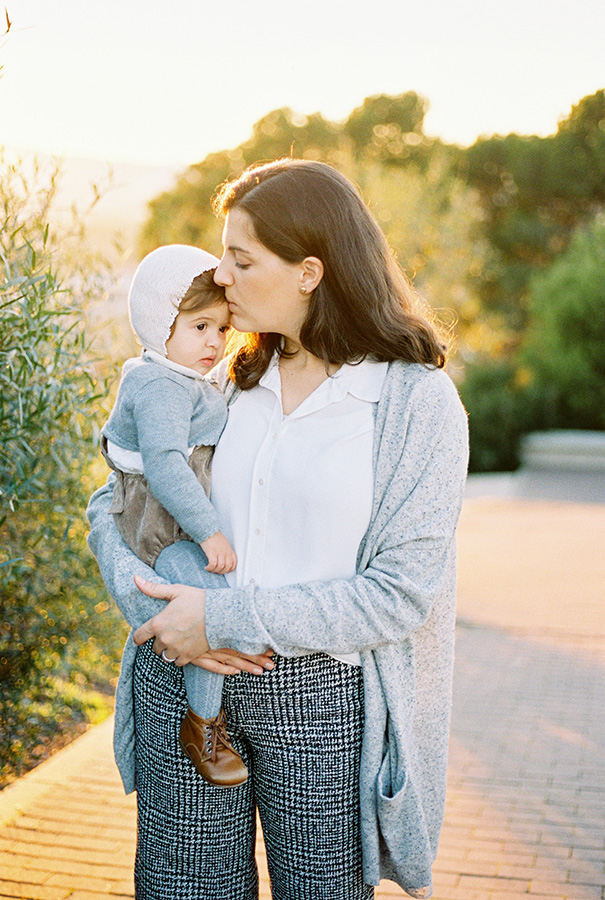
{"points": [[383, 605], [117, 562]]}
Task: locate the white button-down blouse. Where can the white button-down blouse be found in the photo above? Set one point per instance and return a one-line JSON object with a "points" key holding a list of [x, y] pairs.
{"points": [[294, 493]]}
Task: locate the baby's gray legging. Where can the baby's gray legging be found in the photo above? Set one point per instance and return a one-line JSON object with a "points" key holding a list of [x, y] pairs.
{"points": [[184, 563]]}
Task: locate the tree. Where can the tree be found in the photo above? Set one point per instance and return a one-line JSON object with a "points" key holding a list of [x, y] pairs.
{"points": [[432, 222], [284, 133], [389, 129], [385, 130], [556, 376], [184, 214], [535, 192], [431, 217]]}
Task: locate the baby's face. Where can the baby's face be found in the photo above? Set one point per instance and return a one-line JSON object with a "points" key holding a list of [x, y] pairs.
{"points": [[198, 338]]}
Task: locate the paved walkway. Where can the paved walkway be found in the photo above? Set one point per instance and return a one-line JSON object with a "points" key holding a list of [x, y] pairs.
{"points": [[526, 801]]}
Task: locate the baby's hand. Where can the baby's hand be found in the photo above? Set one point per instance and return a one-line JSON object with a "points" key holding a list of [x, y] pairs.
{"points": [[221, 556]]}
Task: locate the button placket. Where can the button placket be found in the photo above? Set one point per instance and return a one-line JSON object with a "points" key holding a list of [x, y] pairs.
{"points": [[259, 498]]}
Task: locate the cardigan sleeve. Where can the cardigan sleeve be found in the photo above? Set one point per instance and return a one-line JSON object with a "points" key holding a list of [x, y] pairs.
{"points": [[117, 562], [411, 556], [162, 411]]}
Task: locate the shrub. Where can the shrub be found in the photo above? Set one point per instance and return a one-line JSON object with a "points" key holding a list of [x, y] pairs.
{"points": [[56, 635], [565, 344], [503, 402], [557, 378]]}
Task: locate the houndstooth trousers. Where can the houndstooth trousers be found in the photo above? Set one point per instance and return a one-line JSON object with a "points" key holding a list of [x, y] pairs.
{"points": [[298, 729]]}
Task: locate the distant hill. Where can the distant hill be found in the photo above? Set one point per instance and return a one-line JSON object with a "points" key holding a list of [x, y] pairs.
{"points": [[112, 228], [125, 192]]}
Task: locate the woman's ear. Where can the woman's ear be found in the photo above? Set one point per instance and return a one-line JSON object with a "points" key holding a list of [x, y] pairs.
{"points": [[311, 274]]}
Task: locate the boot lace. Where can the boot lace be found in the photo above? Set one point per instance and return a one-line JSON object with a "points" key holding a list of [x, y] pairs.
{"points": [[216, 735]]}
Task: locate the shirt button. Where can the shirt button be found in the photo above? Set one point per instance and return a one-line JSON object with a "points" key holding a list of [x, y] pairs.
{"points": [[257, 531], [261, 482], [252, 581]]}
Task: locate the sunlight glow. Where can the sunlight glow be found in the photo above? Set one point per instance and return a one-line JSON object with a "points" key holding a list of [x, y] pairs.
{"points": [[137, 83]]}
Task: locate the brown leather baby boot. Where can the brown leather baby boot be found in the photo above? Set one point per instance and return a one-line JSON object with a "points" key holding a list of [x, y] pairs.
{"points": [[208, 746]]}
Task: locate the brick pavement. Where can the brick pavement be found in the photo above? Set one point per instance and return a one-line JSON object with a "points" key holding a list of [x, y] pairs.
{"points": [[526, 799]]}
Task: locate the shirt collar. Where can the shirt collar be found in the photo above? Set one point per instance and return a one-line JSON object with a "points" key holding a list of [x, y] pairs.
{"points": [[270, 378], [363, 380]]}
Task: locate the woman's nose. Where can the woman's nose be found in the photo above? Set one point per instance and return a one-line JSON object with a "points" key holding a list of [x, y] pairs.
{"points": [[221, 274]]}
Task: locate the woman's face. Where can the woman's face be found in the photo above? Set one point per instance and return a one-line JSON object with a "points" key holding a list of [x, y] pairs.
{"points": [[263, 290]]}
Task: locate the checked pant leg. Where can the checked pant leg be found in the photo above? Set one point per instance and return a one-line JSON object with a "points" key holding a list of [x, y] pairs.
{"points": [[195, 841], [303, 722]]}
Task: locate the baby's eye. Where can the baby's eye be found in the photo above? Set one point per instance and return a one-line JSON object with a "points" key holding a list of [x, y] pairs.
{"points": [[201, 326], [224, 329]]}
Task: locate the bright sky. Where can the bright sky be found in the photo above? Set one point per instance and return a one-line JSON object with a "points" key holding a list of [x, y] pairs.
{"points": [[145, 81]]}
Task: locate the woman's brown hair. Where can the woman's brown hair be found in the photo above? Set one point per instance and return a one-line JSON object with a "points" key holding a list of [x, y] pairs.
{"points": [[364, 306]]}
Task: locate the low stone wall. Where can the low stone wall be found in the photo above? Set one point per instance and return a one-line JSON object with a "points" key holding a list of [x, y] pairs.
{"points": [[563, 465]]}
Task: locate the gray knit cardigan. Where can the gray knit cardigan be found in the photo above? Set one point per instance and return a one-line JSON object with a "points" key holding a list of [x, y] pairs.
{"points": [[398, 612]]}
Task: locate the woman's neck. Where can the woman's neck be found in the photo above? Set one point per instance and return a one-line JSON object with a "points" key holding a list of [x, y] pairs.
{"points": [[301, 373]]}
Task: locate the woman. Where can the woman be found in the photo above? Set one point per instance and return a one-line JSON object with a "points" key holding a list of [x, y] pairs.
{"points": [[339, 481]]}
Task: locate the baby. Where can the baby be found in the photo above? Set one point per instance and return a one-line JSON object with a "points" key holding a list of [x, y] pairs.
{"points": [[159, 439]]}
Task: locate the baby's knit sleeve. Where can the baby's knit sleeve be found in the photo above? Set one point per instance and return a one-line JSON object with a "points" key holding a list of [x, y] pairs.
{"points": [[162, 410]]}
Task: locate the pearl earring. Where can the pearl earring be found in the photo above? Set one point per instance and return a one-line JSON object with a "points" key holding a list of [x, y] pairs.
{"points": [[303, 290]]}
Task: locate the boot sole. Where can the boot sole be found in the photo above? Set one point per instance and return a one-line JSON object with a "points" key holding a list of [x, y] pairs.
{"points": [[203, 777]]}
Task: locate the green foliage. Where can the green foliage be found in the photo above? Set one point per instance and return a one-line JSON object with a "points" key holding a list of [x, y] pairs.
{"points": [[43, 717], [431, 217], [431, 220], [475, 229], [490, 400], [535, 192], [556, 379], [53, 627], [184, 214], [583, 134], [502, 404], [283, 133], [389, 129], [385, 129], [542, 280], [565, 343]]}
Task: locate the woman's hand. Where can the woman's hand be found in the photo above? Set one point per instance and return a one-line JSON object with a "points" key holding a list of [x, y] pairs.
{"points": [[231, 662], [180, 630]]}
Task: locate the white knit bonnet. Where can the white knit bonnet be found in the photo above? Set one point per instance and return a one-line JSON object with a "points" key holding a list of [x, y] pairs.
{"points": [[161, 281]]}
